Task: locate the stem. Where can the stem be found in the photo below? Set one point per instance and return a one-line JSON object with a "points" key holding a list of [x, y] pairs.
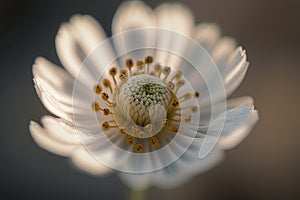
{"points": [[137, 194]]}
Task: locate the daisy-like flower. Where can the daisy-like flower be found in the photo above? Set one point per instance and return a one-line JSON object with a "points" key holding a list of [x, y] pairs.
{"points": [[150, 102]]}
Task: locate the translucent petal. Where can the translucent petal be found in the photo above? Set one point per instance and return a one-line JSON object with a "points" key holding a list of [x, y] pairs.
{"points": [[42, 138], [75, 40], [131, 15], [207, 34], [239, 122], [84, 161], [176, 17]]}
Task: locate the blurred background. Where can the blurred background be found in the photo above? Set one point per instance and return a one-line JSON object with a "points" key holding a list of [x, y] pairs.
{"points": [[265, 166]]}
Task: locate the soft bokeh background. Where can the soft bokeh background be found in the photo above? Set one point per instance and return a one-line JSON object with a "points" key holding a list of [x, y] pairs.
{"points": [[265, 166]]}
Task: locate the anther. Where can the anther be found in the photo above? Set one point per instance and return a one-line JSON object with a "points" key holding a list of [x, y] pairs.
{"points": [[140, 65], [196, 94], [97, 89], [106, 111], [113, 72], [179, 84], [129, 64], [104, 96], [165, 122], [174, 129], [174, 103], [122, 132], [123, 75], [194, 109], [96, 106], [154, 142], [185, 97], [171, 85], [177, 75], [105, 126], [129, 140], [148, 60], [106, 83], [188, 118], [138, 148]]}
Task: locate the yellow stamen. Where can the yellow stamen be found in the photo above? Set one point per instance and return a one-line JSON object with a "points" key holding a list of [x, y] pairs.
{"points": [[129, 140], [106, 83], [122, 132], [165, 122], [98, 89], [129, 64], [105, 126], [154, 142], [138, 148], [113, 72], [96, 106]]}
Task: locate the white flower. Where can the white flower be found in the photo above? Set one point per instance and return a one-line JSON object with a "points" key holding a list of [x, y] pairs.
{"points": [[141, 115]]}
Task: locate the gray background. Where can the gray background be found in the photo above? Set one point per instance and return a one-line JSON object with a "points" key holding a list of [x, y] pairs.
{"points": [[265, 166]]}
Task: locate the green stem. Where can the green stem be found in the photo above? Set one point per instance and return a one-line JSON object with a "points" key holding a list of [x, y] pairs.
{"points": [[137, 194]]}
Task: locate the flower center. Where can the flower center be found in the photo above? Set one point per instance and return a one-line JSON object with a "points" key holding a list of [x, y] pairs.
{"points": [[142, 104]]}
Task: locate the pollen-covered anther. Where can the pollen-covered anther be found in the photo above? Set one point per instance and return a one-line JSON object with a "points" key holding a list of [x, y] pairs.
{"points": [[177, 75], [106, 111], [113, 71], [96, 106], [157, 67], [165, 122], [97, 89], [106, 83], [122, 132], [179, 83], [129, 64], [174, 129], [171, 85], [196, 94], [185, 97], [166, 70], [105, 126], [138, 148], [129, 140], [194, 109], [154, 142], [187, 118], [174, 103], [123, 75], [104, 96], [148, 59], [140, 65]]}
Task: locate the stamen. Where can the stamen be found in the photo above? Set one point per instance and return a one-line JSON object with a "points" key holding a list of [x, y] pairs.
{"points": [[149, 127], [166, 71], [174, 103], [157, 68], [194, 109], [123, 75], [122, 132], [129, 140], [165, 122], [106, 83], [196, 94], [98, 89], [171, 85], [154, 142], [176, 76], [106, 111], [129, 64], [179, 84], [96, 106], [105, 126], [174, 129], [188, 118], [138, 148], [148, 60], [113, 72], [185, 97], [140, 65]]}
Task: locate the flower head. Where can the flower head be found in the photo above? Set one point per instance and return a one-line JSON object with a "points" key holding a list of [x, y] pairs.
{"points": [[152, 105]]}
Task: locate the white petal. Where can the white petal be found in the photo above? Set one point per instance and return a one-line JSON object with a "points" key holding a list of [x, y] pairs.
{"points": [[42, 138], [239, 122], [207, 34], [131, 15], [222, 50], [60, 131], [179, 19], [239, 102], [235, 70], [75, 40], [84, 161]]}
